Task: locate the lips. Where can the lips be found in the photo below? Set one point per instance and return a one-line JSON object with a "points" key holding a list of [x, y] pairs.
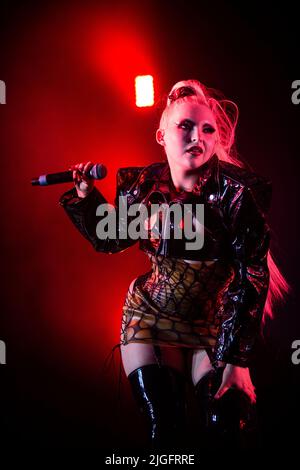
{"points": [[195, 149]]}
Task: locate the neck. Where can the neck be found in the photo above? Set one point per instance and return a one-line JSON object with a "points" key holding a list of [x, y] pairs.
{"points": [[184, 179]]}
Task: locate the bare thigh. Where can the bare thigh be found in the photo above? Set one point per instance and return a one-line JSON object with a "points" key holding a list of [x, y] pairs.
{"points": [[199, 364], [136, 355]]}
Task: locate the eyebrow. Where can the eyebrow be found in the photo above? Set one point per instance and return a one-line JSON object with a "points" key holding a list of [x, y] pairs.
{"points": [[193, 122]]}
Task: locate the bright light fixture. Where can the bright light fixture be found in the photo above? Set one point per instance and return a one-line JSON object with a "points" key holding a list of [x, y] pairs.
{"points": [[144, 91]]}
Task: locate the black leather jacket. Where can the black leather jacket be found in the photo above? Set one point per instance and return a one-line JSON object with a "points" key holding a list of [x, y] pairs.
{"points": [[235, 204]]}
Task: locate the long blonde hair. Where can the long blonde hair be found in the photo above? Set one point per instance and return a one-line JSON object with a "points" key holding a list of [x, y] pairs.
{"points": [[226, 114]]}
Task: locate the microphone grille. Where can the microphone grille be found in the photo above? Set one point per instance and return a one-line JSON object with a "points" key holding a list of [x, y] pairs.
{"points": [[98, 171]]}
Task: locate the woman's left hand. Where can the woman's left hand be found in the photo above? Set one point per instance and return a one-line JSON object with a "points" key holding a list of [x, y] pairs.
{"points": [[238, 378]]}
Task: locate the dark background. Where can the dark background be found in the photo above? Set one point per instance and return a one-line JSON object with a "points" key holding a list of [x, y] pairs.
{"points": [[69, 69]]}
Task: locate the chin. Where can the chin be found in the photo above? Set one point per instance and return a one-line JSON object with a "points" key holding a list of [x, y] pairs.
{"points": [[193, 163]]}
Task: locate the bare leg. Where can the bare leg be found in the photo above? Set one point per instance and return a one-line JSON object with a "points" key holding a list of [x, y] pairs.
{"points": [[136, 355], [199, 364]]}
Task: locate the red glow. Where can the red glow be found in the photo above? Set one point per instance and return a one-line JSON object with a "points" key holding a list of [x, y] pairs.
{"points": [[119, 52]]}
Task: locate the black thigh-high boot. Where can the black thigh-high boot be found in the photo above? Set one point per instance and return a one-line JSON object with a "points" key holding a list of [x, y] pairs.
{"points": [[160, 394], [229, 420]]}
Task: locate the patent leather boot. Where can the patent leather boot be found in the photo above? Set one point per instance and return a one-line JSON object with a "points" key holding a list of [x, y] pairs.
{"points": [[229, 420], [160, 395]]}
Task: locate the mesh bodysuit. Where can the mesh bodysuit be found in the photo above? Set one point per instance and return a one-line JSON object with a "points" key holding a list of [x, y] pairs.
{"points": [[174, 303]]}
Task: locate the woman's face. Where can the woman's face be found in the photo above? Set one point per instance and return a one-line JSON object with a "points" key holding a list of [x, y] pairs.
{"points": [[190, 135]]}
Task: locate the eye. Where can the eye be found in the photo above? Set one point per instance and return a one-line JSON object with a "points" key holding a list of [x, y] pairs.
{"points": [[209, 130], [186, 125]]}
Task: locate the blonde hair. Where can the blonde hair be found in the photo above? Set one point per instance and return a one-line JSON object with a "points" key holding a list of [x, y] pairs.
{"points": [[225, 112], [226, 115]]}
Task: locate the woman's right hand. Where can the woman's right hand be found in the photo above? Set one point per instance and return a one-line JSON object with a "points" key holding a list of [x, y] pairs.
{"points": [[83, 183]]}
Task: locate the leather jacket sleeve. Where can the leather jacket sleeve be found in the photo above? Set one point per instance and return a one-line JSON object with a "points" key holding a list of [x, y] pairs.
{"points": [[82, 212], [241, 303]]}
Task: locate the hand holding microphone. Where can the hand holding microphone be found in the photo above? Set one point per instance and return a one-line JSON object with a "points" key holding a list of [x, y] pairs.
{"points": [[83, 175], [83, 183]]}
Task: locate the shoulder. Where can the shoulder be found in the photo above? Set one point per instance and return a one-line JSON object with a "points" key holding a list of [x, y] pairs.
{"points": [[236, 180], [132, 175]]}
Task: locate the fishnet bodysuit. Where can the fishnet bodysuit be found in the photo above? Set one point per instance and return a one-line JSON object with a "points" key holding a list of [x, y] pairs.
{"points": [[174, 303]]}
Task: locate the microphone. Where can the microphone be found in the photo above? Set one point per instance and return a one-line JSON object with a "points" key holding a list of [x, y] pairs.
{"points": [[98, 171]]}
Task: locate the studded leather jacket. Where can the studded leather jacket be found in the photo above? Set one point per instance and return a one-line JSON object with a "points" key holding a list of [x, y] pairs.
{"points": [[235, 201]]}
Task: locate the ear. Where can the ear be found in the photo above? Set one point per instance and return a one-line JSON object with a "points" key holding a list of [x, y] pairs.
{"points": [[160, 137]]}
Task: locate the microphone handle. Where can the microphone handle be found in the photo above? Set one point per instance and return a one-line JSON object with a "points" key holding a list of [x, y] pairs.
{"points": [[98, 171], [53, 178]]}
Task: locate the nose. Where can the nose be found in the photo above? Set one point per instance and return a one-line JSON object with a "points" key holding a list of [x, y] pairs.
{"points": [[196, 134]]}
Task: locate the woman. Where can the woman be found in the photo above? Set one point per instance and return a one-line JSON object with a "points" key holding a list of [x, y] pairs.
{"points": [[196, 309]]}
